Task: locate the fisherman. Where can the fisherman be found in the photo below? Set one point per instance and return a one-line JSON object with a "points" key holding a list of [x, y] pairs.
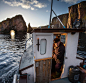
{"points": [[58, 56]]}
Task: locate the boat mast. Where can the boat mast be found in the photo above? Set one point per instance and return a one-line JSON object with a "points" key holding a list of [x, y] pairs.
{"points": [[55, 15], [50, 13]]}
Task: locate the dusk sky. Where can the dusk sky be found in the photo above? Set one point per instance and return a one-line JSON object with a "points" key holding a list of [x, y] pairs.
{"points": [[35, 12]]}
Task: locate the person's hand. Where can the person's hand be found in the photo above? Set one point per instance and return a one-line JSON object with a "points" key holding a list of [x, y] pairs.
{"points": [[58, 61], [56, 51], [55, 57]]}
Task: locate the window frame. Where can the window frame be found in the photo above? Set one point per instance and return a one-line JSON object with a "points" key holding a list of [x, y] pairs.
{"points": [[45, 46]]}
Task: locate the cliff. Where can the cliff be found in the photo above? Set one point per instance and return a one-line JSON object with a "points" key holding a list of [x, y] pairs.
{"points": [[63, 18], [16, 23], [55, 22], [77, 11]]}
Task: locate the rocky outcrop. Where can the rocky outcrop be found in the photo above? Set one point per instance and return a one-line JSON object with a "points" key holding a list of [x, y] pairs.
{"points": [[63, 18], [16, 23], [29, 28], [77, 11], [55, 22]]}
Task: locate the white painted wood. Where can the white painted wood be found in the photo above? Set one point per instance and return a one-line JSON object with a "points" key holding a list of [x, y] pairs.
{"points": [[34, 53], [70, 53], [49, 46], [27, 58], [30, 72]]}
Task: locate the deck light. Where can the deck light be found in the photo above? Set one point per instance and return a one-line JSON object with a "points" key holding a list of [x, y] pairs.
{"points": [[77, 23]]}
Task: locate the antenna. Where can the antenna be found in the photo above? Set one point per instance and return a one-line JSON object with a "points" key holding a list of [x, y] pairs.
{"points": [[55, 15]]}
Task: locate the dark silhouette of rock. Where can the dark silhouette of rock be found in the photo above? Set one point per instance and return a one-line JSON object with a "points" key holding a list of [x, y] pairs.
{"points": [[16, 23], [29, 28]]}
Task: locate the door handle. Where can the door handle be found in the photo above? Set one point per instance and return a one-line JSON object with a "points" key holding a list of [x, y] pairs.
{"points": [[38, 44]]}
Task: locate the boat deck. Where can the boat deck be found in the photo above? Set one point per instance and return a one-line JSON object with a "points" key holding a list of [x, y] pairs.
{"points": [[63, 80]]}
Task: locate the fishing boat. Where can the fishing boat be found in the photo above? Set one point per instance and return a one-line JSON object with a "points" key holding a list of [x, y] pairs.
{"points": [[36, 62]]}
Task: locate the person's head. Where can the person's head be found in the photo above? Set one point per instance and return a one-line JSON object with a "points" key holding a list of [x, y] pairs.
{"points": [[57, 42]]}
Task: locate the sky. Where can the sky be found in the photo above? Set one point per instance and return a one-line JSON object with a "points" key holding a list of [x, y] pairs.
{"points": [[35, 12]]}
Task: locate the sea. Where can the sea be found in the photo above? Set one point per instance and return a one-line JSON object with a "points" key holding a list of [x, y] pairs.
{"points": [[12, 48]]}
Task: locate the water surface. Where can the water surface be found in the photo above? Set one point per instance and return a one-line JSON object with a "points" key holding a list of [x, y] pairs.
{"points": [[11, 51]]}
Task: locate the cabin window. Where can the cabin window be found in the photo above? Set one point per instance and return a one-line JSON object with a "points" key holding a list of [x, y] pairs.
{"points": [[63, 39], [43, 44]]}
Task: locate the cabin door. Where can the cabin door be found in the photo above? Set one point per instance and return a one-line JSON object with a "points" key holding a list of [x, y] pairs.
{"points": [[42, 49], [43, 45]]}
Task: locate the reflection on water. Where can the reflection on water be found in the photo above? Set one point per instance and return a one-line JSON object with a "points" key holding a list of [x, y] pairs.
{"points": [[12, 34], [11, 51]]}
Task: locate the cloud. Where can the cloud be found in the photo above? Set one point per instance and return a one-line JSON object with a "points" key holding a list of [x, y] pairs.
{"points": [[70, 1], [32, 4], [40, 5], [32, 8]]}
